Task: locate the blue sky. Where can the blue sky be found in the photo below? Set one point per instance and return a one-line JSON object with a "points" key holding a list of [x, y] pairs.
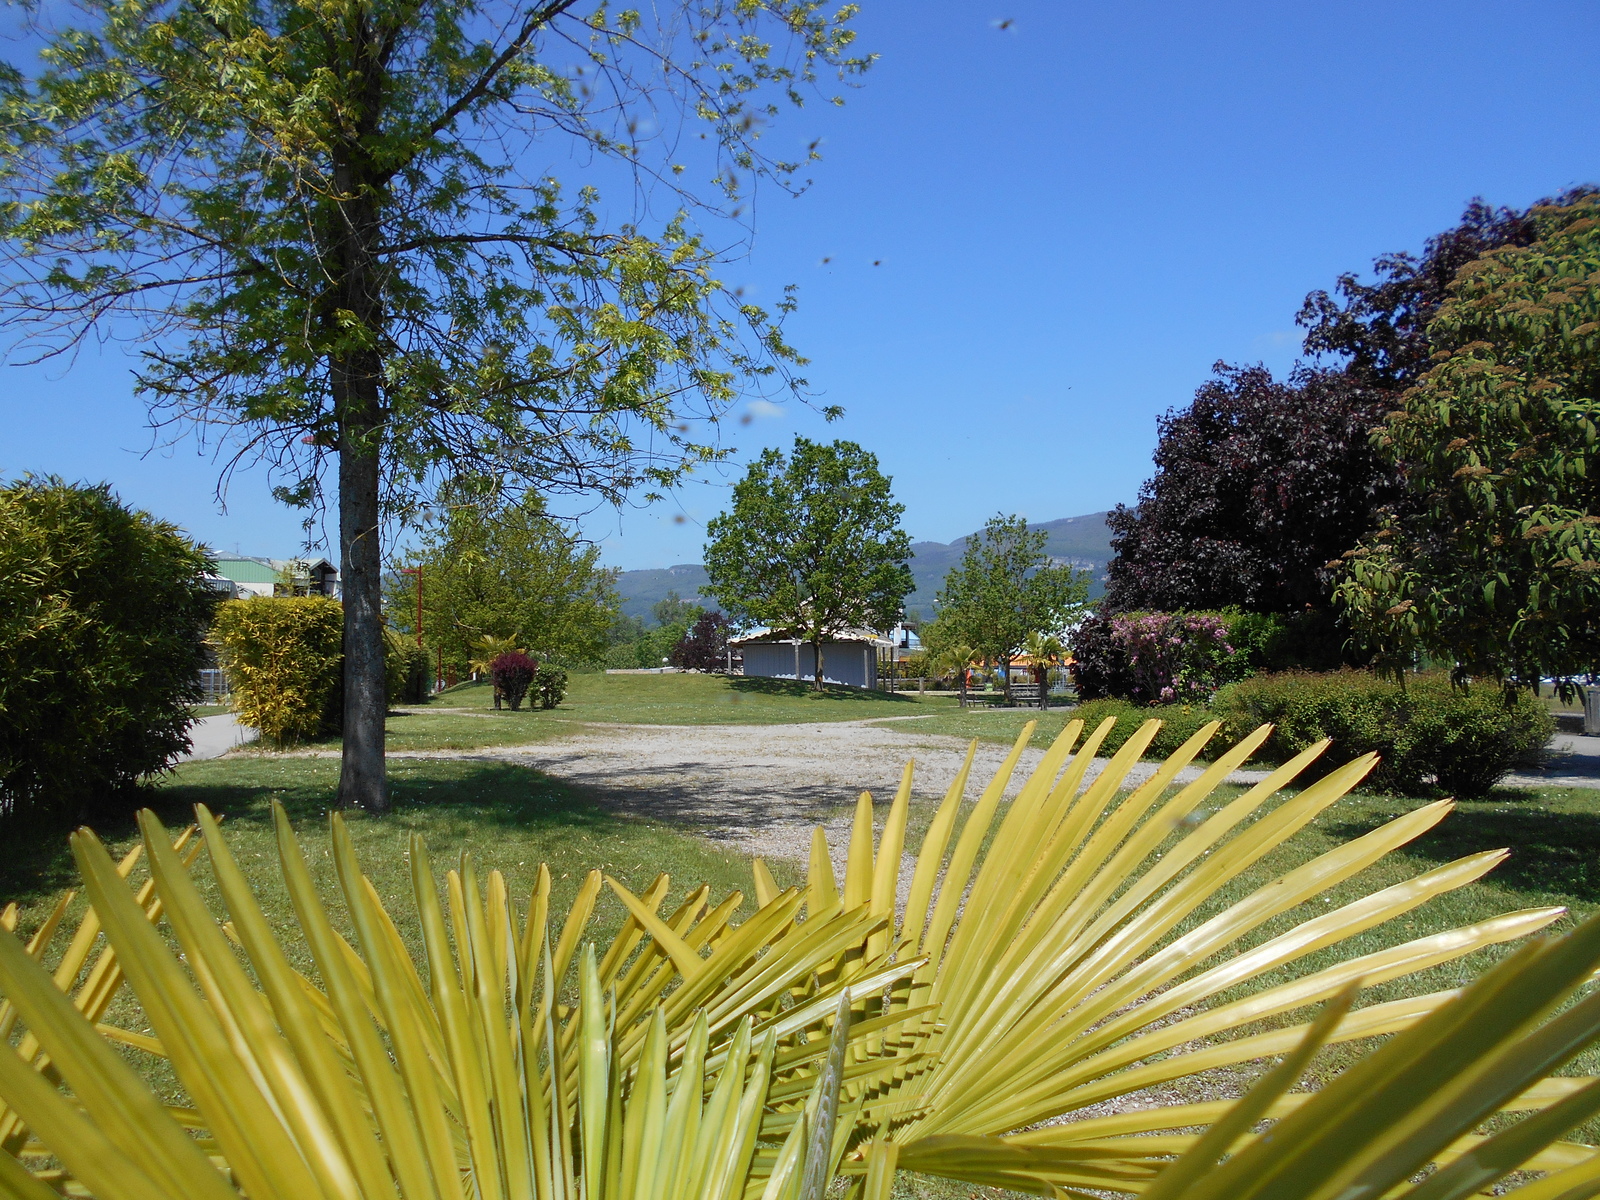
{"points": [[1072, 217]]}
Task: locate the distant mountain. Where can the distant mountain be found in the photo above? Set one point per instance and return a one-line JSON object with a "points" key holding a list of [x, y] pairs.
{"points": [[1082, 541], [640, 590]]}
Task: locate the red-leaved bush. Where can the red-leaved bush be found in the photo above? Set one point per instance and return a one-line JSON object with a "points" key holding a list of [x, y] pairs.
{"points": [[513, 674]]}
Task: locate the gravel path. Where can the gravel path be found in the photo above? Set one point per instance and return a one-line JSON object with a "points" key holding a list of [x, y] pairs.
{"points": [[764, 786]]}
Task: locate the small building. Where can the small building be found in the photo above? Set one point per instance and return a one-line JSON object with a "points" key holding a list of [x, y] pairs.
{"points": [[278, 576], [849, 657]]}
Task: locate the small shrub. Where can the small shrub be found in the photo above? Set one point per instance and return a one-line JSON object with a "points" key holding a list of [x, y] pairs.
{"points": [[284, 658], [1100, 662], [513, 674], [103, 613], [1176, 657], [1179, 723], [552, 685], [1430, 734]]}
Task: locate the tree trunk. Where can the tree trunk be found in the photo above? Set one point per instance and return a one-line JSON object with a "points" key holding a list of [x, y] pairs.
{"points": [[816, 655], [362, 781], [1005, 678]]}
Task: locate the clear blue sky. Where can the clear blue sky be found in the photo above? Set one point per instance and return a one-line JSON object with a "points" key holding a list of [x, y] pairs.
{"points": [[1073, 218]]}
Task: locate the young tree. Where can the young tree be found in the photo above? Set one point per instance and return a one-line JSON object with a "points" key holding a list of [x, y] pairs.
{"points": [[813, 544], [1498, 570], [506, 572], [340, 231], [1258, 483], [673, 609], [1005, 589]]}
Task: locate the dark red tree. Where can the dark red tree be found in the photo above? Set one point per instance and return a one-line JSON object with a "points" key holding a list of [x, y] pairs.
{"points": [[1258, 484], [513, 673], [705, 646]]}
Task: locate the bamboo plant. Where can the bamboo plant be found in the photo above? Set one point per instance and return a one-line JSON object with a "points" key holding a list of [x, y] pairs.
{"points": [[1048, 956]]}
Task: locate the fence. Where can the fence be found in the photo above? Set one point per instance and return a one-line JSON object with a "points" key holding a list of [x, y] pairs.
{"points": [[213, 685]]}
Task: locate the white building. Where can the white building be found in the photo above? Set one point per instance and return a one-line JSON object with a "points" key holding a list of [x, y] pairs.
{"points": [[849, 657]]}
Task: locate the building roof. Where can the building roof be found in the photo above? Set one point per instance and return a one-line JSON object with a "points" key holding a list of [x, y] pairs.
{"points": [[757, 637], [247, 569]]}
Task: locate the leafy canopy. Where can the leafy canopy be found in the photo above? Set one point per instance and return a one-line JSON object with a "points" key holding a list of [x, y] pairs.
{"points": [[302, 201], [812, 543], [1257, 484], [1499, 570], [1005, 589], [509, 573]]}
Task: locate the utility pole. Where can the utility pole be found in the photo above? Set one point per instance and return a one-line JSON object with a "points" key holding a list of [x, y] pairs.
{"points": [[417, 571]]}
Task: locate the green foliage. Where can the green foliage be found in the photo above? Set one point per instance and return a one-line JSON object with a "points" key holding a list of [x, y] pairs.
{"points": [[336, 224], [1179, 722], [1498, 571], [1428, 733], [812, 544], [1004, 589], [551, 684], [497, 577], [270, 180], [407, 669], [103, 612], [284, 659]]}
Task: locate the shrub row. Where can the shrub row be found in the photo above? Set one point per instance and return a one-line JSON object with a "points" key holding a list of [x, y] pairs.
{"points": [[1428, 733], [284, 660]]}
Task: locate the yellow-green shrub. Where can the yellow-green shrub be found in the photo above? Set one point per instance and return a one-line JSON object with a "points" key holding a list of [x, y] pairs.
{"points": [[284, 657]]}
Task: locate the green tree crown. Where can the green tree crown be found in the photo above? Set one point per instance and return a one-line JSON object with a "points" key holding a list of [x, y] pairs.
{"points": [[1498, 571], [811, 543]]}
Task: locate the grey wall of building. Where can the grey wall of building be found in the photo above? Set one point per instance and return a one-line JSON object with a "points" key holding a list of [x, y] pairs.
{"points": [[851, 663]]}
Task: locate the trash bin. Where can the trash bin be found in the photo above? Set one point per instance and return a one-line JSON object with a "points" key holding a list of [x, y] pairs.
{"points": [[1591, 711]]}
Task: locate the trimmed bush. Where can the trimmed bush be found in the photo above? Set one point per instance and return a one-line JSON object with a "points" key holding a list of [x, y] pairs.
{"points": [[103, 613], [513, 673], [284, 658], [1431, 735], [406, 669], [1179, 723], [552, 685]]}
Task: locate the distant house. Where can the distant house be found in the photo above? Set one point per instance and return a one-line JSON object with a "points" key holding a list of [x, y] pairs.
{"points": [[849, 658], [278, 576]]}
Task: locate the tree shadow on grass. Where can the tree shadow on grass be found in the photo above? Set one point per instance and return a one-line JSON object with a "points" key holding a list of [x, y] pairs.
{"points": [[425, 796], [1555, 852], [760, 685]]}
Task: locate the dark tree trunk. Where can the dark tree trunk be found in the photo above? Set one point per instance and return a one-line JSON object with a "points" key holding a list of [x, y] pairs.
{"points": [[816, 654], [362, 779]]}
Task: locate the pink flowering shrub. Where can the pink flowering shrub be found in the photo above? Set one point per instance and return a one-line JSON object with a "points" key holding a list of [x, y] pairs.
{"points": [[1176, 658]]}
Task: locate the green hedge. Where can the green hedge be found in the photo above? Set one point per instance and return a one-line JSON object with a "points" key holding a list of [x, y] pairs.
{"points": [[284, 660], [1179, 722], [103, 614], [1429, 734]]}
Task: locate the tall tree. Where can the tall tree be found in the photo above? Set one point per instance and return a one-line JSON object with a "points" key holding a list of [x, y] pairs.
{"points": [[339, 229], [1004, 590], [1258, 483], [1379, 329], [813, 544], [1498, 569], [506, 571]]}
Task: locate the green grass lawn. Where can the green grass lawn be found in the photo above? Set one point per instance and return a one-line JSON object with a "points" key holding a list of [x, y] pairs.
{"points": [[993, 725], [705, 700], [505, 816], [464, 718]]}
